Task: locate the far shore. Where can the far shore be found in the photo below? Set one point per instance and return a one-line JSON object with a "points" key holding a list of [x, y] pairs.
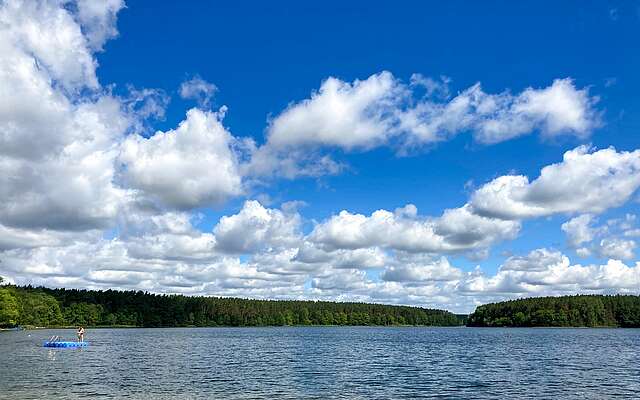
{"points": [[28, 328], [224, 326]]}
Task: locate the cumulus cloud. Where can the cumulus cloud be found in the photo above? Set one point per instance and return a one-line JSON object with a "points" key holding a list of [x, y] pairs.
{"points": [[108, 264], [546, 272], [366, 258], [191, 166], [613, 237], [492, 118], [436, 270], [364, 114], [47, 35], [579, 230], [294, 163], [583, 252], [383, 110], [557, 109], [456, 230], [342, 114], [169, 236], [620, 249], [161, 252], [632, 233], [56, 149], [433, 87], [256, 227], [165, 253], [15, 238], [537, 260], [341, 281], [145, 105], [584, 182], [542, 272], [98, 19], [199, 90]]}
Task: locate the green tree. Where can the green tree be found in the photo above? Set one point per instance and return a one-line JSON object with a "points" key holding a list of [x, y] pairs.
{"points": [[38, 309], [9, 311], [44, 307], [519, 319], [83, 314], [579, 310]]}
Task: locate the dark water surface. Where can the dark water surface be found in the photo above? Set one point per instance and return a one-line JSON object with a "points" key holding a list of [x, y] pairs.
{"points": [[324, 363]]}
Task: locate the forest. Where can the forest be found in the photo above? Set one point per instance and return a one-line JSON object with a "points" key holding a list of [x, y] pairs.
{"points": [[42, 307], [565, 311]]}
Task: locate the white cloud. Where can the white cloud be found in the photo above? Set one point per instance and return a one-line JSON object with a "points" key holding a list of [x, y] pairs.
{"points": [[347, 115], [340, 281], [98, 19], [491, 118], [557, 109], [156, 252], [294, 163], [584, 182], [536, 260], [620, 249], [108, 264], [583, 252], [199, 90], [366, 258], [42, 32], [145, 105], [165, 253], [368, 113], [13, 238], [436, 270], [632, 233], [579, 230], [432, 87], [456, 230], [545, 272], [56, 148], [169, 236], [114, 277], [191, 166], [382, 110], [256, 227], [613, 244]]}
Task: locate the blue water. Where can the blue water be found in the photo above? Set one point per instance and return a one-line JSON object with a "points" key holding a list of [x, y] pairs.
{"points": [[324, 363]]}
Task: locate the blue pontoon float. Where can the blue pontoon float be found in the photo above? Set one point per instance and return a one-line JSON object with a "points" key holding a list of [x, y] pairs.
{"points": [[56, 342]]}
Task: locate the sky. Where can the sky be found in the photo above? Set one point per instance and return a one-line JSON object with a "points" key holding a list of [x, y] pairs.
{"points": [[438, 154]]}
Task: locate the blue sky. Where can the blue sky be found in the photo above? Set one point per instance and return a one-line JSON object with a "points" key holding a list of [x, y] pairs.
{"points": [[262, 58], [166, 206]]}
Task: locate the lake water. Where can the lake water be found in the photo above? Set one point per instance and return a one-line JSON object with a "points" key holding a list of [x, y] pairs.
{"points": [[324, 363]]}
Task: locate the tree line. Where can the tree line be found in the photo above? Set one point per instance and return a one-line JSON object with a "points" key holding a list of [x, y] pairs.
{"points": [[44, 307], [565, 311]]}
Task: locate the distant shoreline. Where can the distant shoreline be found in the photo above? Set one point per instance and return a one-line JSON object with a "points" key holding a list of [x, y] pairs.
{"points": [[32, 328], [319, 326], [44, 307]]}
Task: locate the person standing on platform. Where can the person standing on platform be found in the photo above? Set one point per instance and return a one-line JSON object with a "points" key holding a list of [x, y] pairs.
{"points": [[80, 334]]}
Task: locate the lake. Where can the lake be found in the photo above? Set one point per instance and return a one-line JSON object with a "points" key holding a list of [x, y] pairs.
{"points": [[324, 363]]}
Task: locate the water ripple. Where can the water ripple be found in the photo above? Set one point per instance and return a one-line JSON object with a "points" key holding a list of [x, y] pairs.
{"points": [[324, 363]]}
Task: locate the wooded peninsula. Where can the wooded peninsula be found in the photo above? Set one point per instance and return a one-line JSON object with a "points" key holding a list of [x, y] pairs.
{"points": [[43, 307], [565, 311]]}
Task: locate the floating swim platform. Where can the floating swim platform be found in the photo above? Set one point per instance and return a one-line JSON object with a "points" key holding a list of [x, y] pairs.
{"points": [[65, 344]]}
